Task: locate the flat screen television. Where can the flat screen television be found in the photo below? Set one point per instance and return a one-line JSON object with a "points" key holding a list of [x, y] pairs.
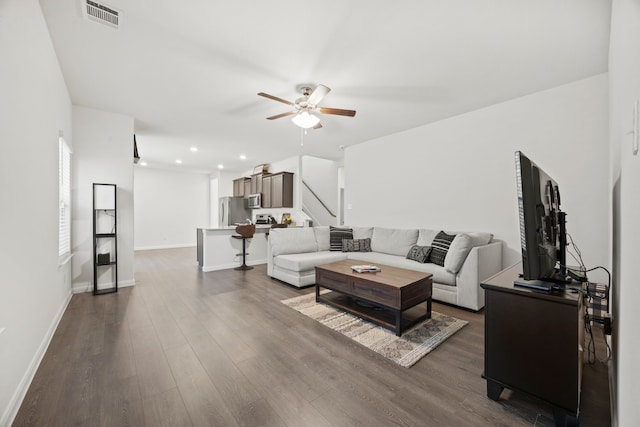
{"points": [[542, 224]]}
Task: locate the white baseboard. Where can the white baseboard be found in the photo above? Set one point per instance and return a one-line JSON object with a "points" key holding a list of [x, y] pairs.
{"points": [[15, 402], [79, 288], [206, 269], [147, 248]]}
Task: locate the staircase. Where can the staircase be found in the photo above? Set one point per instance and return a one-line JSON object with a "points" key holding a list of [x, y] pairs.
{"points": [[315, 208]]}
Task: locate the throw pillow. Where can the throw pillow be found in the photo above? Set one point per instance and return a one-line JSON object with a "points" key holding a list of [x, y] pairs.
{"points": [[336, 234], [457, 253], [356, 245], [419, 253], [440, 247]]}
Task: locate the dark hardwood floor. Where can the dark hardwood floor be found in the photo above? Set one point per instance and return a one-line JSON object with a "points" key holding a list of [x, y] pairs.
{"points": [[184, 348]]}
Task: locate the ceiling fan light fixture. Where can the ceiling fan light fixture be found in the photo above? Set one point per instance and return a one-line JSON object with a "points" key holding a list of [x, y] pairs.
{"points": [[305, 120]]}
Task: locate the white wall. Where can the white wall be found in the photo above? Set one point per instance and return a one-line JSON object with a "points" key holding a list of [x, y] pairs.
{"points": [[220, 185], [34, 107], [225, 183], [169, 206], [103, 153], [321, 175], [624, 80], [459, 173]]}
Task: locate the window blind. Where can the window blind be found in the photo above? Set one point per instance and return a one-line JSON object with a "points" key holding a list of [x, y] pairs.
{"points": [[64, 195]]}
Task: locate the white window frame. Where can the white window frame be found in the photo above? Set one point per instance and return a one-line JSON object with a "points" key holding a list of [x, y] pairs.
{"points": [[64, 201]]}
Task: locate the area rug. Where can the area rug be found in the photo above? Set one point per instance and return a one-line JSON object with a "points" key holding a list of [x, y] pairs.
{"points": [[406, 350]]}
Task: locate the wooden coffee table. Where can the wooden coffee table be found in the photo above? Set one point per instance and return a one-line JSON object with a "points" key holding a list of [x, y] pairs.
{"points": [[388, 298]]}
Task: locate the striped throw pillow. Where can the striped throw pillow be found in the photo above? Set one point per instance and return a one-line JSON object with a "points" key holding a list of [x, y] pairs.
{"points": [[440, 247], [336, 234]]}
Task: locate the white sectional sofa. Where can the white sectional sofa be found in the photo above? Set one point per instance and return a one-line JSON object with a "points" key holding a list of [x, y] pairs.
{"points": [[293, 253]]}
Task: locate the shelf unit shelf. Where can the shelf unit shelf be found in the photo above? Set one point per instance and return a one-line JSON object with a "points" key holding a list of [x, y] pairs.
{"points": [[105, 244]]}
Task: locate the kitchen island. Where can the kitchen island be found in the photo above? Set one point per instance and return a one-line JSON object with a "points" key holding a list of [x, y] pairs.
{"points": [[218, 250]]}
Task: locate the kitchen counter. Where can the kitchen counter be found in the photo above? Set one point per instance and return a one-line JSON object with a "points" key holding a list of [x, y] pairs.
{"points": [[218, 250], [232, 227]]}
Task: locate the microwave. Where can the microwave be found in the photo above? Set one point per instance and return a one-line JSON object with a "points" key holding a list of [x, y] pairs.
{"points": [[254, 201]]}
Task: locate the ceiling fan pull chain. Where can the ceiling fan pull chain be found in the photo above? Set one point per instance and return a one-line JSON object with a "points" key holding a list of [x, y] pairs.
{"points": [[302, 132]]}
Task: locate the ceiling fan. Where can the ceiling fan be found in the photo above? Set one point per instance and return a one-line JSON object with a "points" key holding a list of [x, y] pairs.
{"points": [[307, 104]]}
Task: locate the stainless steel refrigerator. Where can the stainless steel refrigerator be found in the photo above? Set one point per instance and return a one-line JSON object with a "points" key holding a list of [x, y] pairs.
{"points": [[232, 210]]}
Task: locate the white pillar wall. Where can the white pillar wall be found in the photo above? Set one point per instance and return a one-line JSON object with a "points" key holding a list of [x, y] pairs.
{"points": [[103, 153]]}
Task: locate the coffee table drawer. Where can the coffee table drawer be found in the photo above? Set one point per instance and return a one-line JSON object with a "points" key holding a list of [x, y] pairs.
{"points": [[379, 294], [335, 281]]}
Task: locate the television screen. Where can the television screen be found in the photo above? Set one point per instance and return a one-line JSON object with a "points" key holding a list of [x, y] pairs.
{"points": [[542, 230]]}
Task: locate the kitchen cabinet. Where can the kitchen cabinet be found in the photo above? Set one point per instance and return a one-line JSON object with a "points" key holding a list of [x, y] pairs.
{"points": [[256, 183], [281, 195], [241, 187], [266, 191]]}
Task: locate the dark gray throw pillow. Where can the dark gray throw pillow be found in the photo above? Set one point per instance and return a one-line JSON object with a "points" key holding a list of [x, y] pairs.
{"points": [[440, 247], [419, 253], [336, 234], [356, 245]]}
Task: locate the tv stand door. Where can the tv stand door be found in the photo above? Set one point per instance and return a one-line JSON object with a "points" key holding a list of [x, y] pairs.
{"points": [[533, 342]]}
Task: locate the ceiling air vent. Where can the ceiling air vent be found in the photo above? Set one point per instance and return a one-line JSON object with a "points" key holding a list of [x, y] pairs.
{"points": [[101, 13]]}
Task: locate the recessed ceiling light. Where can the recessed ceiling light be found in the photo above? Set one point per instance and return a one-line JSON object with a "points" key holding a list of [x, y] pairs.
{"points": [[179, 161], [243, 157], [221, 166], [143, 163], [194, 149]]}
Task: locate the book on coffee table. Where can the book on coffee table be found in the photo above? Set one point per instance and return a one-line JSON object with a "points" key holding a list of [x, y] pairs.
{"points": [[365, 268]]}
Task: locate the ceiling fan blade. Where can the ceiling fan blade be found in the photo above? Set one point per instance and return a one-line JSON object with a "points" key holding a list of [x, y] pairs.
{"points": [[275, 98], [318, 126], [278, 116], [337, 111], [318, 93]]}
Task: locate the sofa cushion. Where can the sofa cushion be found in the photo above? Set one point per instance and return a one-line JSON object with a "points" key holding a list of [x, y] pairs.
{"points": [[440, 247], [292, 240], [356, 245], [426, 236], [362, 232], [419, 253], [322, 237], [440, 275], [307, 261], [336, 234], [393, 241], [457, 253]]}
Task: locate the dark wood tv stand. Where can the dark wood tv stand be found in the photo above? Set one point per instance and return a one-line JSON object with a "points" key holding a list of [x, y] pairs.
{"points": [[534, 343]]}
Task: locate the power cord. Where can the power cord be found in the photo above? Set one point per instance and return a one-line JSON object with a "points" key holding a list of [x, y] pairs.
{"points": [[589, 294]]}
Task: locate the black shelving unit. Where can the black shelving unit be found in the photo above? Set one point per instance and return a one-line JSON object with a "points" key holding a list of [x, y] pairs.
{"points": [[105, 239]]}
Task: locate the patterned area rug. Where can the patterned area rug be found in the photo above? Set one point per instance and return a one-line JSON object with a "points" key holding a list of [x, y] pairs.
{"points": [[406, 350]]}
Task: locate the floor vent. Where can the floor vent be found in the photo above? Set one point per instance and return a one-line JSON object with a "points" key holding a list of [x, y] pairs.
{"points": [[100, 13]]}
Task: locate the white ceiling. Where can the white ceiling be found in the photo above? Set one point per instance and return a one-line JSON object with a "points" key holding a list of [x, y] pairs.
{"points": [[189, 70]]}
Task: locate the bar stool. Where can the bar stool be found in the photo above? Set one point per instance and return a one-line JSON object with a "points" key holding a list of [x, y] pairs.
{"points": [[245, 232]]}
